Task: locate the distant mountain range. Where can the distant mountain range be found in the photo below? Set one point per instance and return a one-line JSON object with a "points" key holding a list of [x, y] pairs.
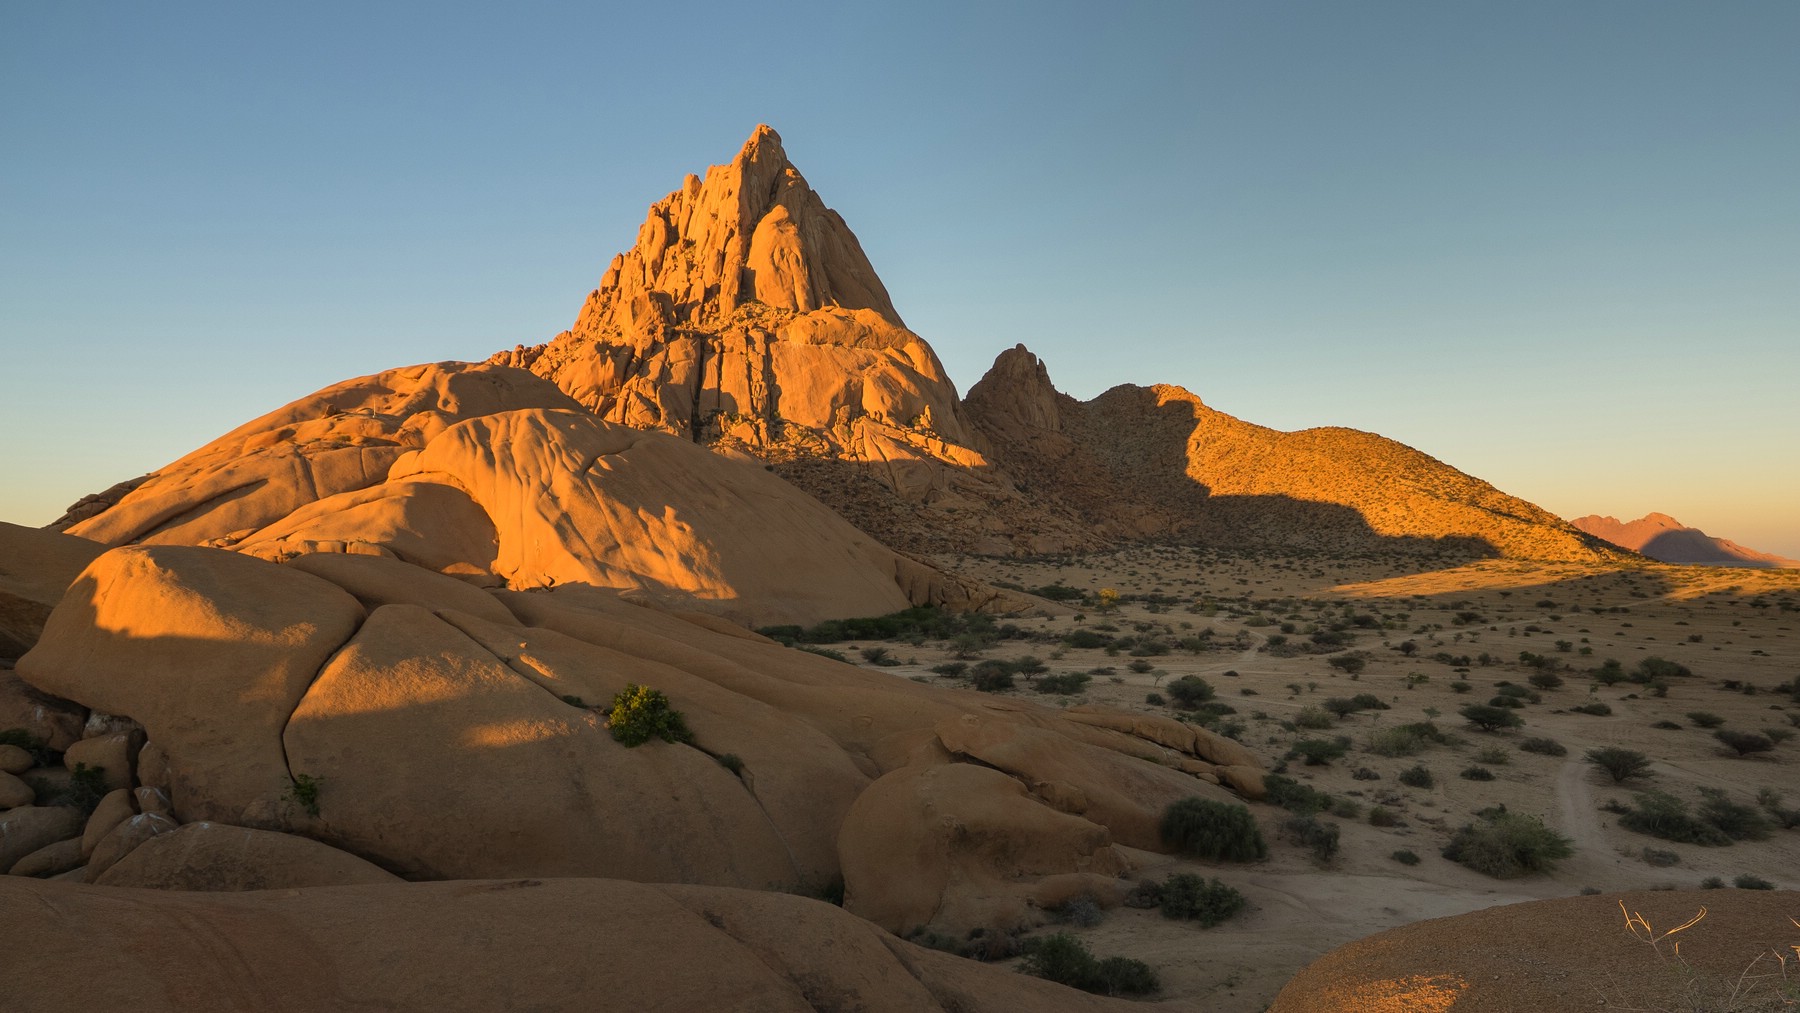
{"points": [[1667, 540]]}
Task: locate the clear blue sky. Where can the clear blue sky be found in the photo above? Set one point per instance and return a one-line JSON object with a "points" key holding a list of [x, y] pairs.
{"points": [[1556, 245]]}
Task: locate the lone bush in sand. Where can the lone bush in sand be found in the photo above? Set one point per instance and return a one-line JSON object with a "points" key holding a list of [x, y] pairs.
{"points": [[1066, 960], [1508, 845], [1489, 718], [1744, 743], [1190, 691], [640, 714], [1189, 897], [1202, 828], [1620, 764]]}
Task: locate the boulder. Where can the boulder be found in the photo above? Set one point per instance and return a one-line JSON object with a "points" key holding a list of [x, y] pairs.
{"points": [[114, 755], [957, 847], [36, 566], [113, 810], [14, 792], [121, 840], [216, 857], [48, 718], [29, 827], [52, 859], [434, 756], [15, 759], [210, 650]]}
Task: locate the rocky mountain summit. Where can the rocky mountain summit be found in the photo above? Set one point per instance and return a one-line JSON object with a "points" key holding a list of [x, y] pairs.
{"points": [[748, 319], [1667, 540]]}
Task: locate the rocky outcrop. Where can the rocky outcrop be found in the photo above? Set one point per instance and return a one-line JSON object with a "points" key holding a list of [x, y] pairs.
{"points": [[1667, 540], [437, 730], [491, 475], [747, 317], [1141, 462], [479, 946]]}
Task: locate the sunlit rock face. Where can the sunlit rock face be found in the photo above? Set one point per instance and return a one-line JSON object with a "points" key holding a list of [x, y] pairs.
{"points": [[491, 474]]}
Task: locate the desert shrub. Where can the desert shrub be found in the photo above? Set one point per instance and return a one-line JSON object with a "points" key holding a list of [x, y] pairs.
{"points": [[824, 652], [1346, 808], [83, 790], [1514, 692], [1066, 684], [952, 669], [1719, 821], [1509, 702], [1712, 883], [878, 656], [640, 714], [1545, 680], [1507, 845], [1316, 835], [1380, 816], [1705, 719], [1544, 747], [1066, 960], [1780, 815], [1417, 777], [1777, 735], [992, 676], [1476, 773], [1744, 743], [1667, 725], [1406, 740], [1080, 911], [1203, 828], [1154, 699], [1190, 691], [40, 751], [1460, 687], [1313, 718], [1620, 764], [1659, 858], [1593, 707], [1493, 756], [1489, 718], [1086, 639], [1736, 820], [1319, 752], [1749, 882], [1658, 668], [1405, 857], [1340, 706], [1188, 897], [1349, 663], [1369, 702], [302, 790], [1058, 592], [1293, 796]]}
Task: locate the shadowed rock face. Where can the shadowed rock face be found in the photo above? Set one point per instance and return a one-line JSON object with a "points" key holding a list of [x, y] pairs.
{"points": [[480, 946], [1156, 461], [1667, 540]]}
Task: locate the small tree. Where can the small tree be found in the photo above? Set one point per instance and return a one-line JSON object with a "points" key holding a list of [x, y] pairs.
{"points": [[1349, 663], [1190, 691], [1489, 718], [1620, 764]]}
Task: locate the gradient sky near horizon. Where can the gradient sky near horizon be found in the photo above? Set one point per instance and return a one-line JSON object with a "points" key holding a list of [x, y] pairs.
{"points": [[1556, 245]]}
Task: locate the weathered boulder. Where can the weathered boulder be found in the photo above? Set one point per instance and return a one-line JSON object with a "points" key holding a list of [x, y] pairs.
{"points": [[35, 568], [433, 756], [50, 719], [210, 650], [113, 810], [15, 759], [14, 792], [114, 755], [216, 857], [961, 846], [52, 859], [123, 839], [30, 827]]}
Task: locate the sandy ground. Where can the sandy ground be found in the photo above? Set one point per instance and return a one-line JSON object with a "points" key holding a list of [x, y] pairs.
{"points": [[1724, 624]]}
